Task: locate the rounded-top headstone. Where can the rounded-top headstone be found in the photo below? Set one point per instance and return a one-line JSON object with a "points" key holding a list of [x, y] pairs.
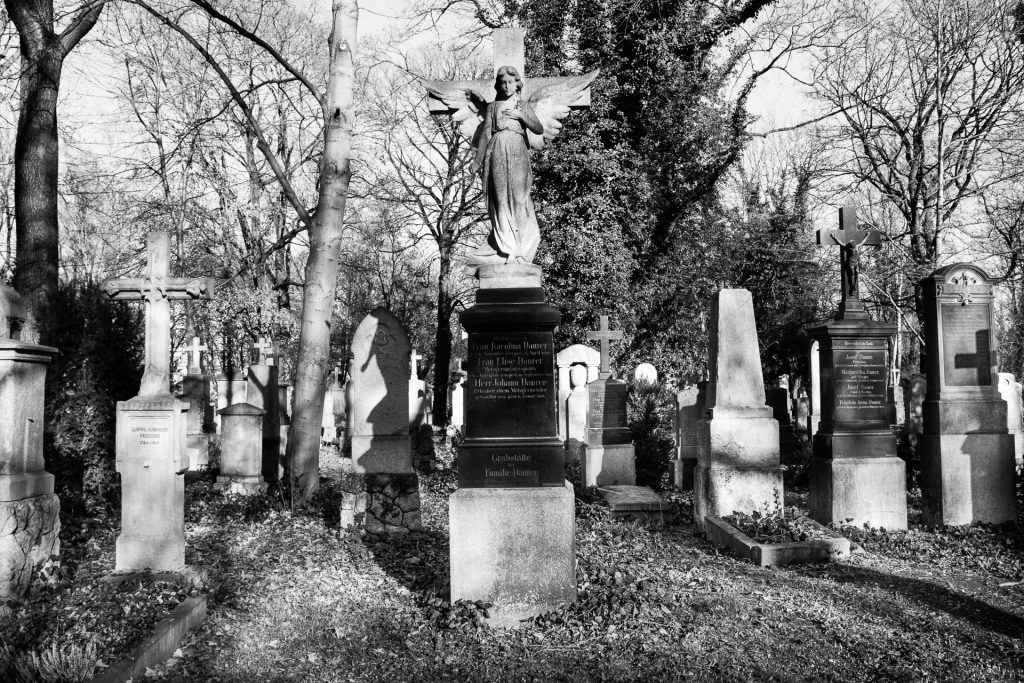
{"points": [[380, 376], [645, 372], [577, 376]]}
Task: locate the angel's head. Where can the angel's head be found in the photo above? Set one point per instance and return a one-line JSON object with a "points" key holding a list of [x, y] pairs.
{"points": [[507, 82]]}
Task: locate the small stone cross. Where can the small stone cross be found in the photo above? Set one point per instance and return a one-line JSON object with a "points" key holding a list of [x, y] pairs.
{"points": [[156, 289], [414, 359], [265, 351], [605, 336], [195, 355], [849, 239]]}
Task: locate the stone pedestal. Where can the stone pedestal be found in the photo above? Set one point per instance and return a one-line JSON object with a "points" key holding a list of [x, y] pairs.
{"points": [[262, 392], [738, 461], [855, 447], [151, 460], [967, 461], [608, 457], [515, 548], [512, 520], [29, 510], [241, 450]]}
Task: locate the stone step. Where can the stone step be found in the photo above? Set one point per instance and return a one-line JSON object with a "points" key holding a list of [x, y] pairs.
{"points": [[636, 503]]}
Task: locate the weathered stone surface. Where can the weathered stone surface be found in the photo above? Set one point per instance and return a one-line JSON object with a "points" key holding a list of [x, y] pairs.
{"points": [[1009, 390], [609, 464], [29, 537], [392, 503], [241, 450], [230, 389], [859, 491], [515, 548], [589, 360], [262, 392]]}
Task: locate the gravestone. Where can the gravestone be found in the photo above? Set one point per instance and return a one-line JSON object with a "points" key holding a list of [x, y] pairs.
{"points": [[328, 420], [689, 407], [778, 399], [418, 392], [814, 366], [738, 462], [262, 392], [241, 450], [609, 457], [967, 463], [645, 372], [855, 473], [577, 354], [231, 389], [29, 509], [1007, 385], [456, 397], [574, 409], [284, 418], [199, 424], [898, 402], [803, 411], [914, 389], [150, 433]]}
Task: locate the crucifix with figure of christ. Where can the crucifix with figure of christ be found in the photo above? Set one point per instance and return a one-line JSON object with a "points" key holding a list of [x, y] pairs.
{"points": [[605, 336], [849, 238], [157, 290]]}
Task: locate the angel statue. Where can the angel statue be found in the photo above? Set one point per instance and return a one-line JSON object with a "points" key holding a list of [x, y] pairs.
{"points": [[513, 124]]}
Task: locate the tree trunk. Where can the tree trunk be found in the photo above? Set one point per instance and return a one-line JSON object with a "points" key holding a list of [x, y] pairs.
{"points": [[36, 154], [314, 362], [443, 341]]}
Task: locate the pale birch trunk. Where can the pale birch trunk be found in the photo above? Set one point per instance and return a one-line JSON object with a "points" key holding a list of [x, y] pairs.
{"points": [[325, 230]]}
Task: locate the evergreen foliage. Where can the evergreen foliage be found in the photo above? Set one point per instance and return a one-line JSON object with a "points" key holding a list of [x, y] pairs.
{"points": [[649, 410]]}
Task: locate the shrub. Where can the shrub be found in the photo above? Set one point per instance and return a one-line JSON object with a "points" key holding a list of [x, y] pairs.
{"points": [[101, 345], [650, 409]]}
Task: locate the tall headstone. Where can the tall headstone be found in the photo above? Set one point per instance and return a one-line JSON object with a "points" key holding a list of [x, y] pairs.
{"points": [[241, 450], [199, 424], [914, 389], [329, 422], [854, 471], [284, 418], [609, 457], [1008, 389], [738, 466], [262, 392], [418, 392], [29, 509], [967, 463], [150, 440], [689, 406], [574, 410], [814, 365], [457, 397], [577, 354]]}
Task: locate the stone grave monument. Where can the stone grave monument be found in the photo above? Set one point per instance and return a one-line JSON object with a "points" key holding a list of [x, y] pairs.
{"points": [[418, 392], [1009, 389], [241, 450], [690, 404], [967, 463], [512, 519], [199, 423], [590, 360], [262, 392], [609, 457], [284, 418], [29, 509], [738, 439], [329, 424], [855, 473], [457, 397], [814, 368], [914, 389], [231, 389], [574, 411], [778, 399], [150, 441], [381, 446]]}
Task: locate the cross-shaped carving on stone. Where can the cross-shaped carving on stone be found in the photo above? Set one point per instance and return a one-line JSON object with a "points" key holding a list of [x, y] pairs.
{"points": [[414, 365], [849, 238], [157, 290], [266, 354], [195, 352], [605, 336], [961, 285]]}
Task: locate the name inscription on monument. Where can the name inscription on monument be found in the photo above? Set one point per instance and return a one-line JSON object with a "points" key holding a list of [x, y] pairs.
{"points": [[511, 466], [860, 380], [147, 439], [511, 386], [966, 353]]}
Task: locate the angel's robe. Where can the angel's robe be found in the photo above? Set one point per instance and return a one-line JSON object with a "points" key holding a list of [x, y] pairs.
{"points": [[503, 155]]}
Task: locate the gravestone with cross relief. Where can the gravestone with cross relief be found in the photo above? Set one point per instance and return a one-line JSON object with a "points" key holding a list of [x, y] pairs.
{"points": [[609, 457], [262, 391], [196, 391], [967, 454], [150, 433], [854, 472]]}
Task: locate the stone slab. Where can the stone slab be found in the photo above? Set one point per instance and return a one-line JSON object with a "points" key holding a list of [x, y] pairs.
{"points": [[511, 463], [382, 454], [508, 276], [636, 502], [854, 444], [859, 491], [240, 485], [605, 465], [724, 535], [967, 478], [515, 548], [25, 485], [721, 491]]}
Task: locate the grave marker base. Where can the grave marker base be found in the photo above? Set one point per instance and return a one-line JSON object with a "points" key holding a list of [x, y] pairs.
{"points": [[609, 464], [967, 478], [859, 491]]}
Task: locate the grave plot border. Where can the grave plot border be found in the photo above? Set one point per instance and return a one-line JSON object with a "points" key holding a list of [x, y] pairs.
{"points": [[724, 535]]}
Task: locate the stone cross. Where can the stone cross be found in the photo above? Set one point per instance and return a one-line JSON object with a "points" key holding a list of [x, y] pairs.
{"points": [[157, 290], [605, 336], [265, 351], [195, 355], [849, 239], [509, 50], [414, 359]]}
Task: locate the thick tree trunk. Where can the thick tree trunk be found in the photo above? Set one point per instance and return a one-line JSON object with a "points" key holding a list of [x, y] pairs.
{"points": [[443, 342], [314, 362], [36, 154]]}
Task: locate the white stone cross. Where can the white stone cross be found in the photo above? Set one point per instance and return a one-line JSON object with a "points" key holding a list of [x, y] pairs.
{"points": [[605, 336], [265, 351], [195, 356], [156, 289], [414, 362]]}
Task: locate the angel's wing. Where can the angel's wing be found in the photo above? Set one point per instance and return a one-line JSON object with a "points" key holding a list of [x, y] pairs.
{"points": [[469, 105], [551, 103]]}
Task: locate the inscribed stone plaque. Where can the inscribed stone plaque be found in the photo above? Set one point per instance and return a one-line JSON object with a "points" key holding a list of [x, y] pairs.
{"points": [[149, 438], [859, 382], [511, 387], [511, 466], [966, 354], [606, 413]]}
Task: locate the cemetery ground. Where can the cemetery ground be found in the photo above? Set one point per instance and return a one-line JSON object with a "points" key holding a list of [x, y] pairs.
{"points": [[293, 597]]}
